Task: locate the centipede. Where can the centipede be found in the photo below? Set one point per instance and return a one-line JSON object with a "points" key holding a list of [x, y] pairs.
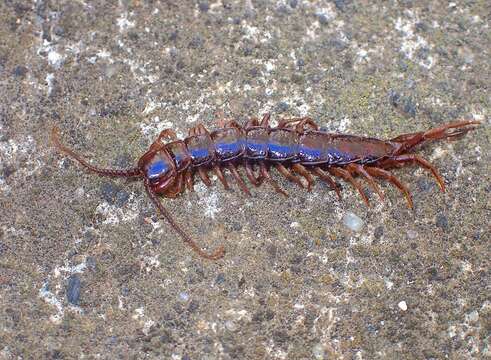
{"points": [[297, 148]]}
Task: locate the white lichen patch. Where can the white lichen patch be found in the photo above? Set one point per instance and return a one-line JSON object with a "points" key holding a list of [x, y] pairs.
{"points": [[208, 200], [51, 299], [114, 215], [410, 42], [23, 151], [53, 56], [124, 23]]}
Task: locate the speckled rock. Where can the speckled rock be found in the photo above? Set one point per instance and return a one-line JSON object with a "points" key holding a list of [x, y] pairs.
{"points": [[86, 268]]}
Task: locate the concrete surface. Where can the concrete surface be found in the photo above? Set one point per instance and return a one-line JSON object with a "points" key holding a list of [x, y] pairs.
{"points": [[88, 271]]}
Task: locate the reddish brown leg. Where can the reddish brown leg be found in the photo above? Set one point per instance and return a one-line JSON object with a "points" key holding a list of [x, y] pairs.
{"points": [[215, 255], [381, 173], [415, 159], [301, 170], [238, 178], [336, 171], [256, 181], [301, 123], [251, 123], [265, 174], [55, 139], [265, 120], [188, 176], [287, 173], [323, 175], [360, 170], [221, 177], [204, 176], [176, 189], [232, 124], [167, 133]]}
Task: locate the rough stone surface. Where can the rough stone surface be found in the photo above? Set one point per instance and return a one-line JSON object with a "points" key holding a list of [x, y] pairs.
{"points": [[87, 269]]}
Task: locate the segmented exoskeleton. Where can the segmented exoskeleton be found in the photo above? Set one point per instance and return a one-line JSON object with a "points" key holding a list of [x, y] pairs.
{"points": [[295, 147]]}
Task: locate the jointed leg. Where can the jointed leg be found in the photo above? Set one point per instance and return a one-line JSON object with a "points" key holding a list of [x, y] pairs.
{"points": [[188, 177], [300, 124], [287, 173], [204, 176], [381, 173], [238, 178], [325, 177], [337, 171], [415, 159], [215, 255], [301, 170], [265, 174], [360, 170], [265, 120], [167, 133], [256, 181], [221, 177]]}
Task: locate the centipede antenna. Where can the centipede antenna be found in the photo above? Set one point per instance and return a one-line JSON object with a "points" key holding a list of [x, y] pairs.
{"points": [[215, 255], [55, 139]]}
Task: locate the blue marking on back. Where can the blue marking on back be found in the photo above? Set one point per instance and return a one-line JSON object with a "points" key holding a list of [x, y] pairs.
{"points": [[156, 169], [281, 151], [199, 153], [336, 157], [255, 149], [310, 154], [229, 149]]}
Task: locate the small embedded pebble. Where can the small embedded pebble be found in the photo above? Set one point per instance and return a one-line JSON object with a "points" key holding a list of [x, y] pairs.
{"points": [[183, 296], [411, 234], [402, 305], [353, 222]]}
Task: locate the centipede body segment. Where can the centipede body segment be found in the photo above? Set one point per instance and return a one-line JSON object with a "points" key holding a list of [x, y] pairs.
{"points": [[296, 148]]}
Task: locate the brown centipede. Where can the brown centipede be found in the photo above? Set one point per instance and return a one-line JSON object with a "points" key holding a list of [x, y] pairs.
{"points": [[296, 147]]}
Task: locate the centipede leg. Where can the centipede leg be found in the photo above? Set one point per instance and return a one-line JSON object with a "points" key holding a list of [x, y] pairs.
{"points": [[204, 176], [301, 123], [323, 175], [221, 177], [238, 178], [265, 120], [381, 173], [215, 255], [176, 189], [360, 170], [301, 170], [288, 174], [251, 123], [336, 171], [167, 133], [415, 159], [188, 177], [267, 176], [256, 181]]}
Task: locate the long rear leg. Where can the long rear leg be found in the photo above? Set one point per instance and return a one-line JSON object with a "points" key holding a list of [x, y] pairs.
{"points": [[450, 131], [215, 255], [55, 138], [414, 159]]}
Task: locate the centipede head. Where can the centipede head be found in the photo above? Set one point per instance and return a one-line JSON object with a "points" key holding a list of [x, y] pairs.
{"points": [[158, 168]]}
